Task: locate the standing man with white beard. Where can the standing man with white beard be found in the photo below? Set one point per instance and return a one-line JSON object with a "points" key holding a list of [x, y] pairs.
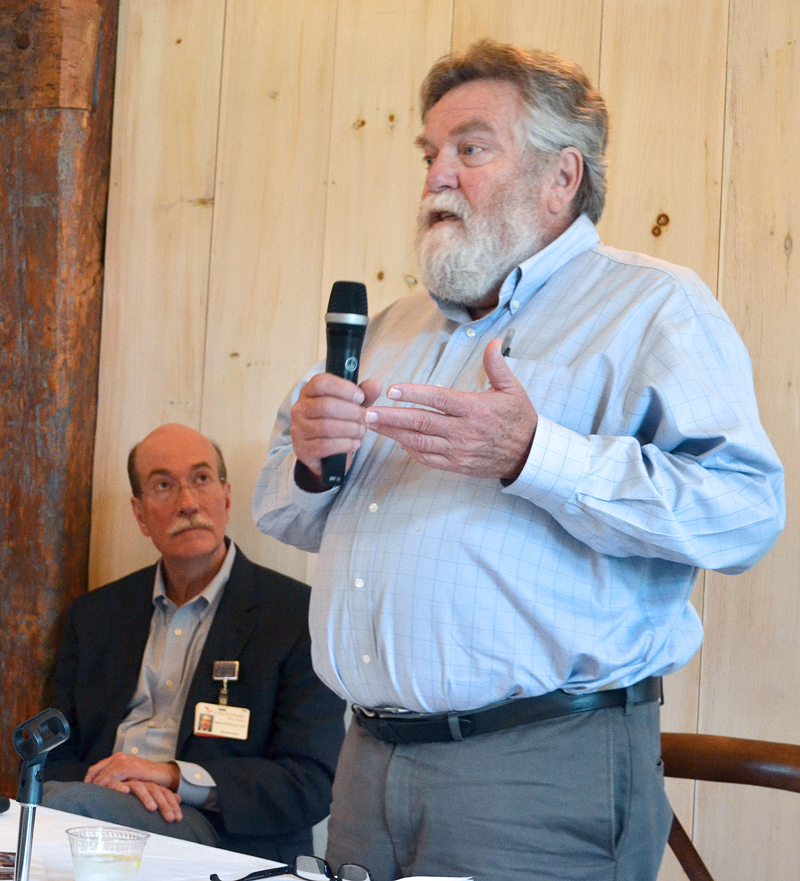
{"points": [[568, 433]]}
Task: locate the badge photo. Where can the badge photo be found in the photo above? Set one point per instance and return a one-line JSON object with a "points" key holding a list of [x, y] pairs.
{"points": [[221, 720]]}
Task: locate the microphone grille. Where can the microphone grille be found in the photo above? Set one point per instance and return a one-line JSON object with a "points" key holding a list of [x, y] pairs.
{"points": [[348, 297]]}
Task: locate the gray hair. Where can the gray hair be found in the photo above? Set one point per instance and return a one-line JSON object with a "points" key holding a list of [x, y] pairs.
{"points": [[562, 108]]}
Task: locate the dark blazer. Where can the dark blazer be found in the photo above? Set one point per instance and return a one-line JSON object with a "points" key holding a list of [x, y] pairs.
{"points": [[272, 787]]}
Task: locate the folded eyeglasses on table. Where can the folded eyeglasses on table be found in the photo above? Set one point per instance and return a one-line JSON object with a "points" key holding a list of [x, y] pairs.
{"points": [[310, 869]]}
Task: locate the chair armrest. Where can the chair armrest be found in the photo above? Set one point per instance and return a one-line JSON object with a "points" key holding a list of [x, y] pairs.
{"points": [[732, 760]]}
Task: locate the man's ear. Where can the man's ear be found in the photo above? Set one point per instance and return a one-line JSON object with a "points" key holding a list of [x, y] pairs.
{"points": [[228, 501], [138, 513], [567, 177]]}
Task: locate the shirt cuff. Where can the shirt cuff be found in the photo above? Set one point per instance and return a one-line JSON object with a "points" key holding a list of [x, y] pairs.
{"points": [[313, 502], [196, 787], [554, 467]]}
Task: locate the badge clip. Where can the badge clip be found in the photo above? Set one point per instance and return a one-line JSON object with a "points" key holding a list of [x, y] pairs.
{"points": [[225, 671]]}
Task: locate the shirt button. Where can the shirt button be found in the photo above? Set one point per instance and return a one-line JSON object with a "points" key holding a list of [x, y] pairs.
{"points": [[470, 332], [515, 304], [169, 683], [134, 751], [359, 582], [366, 659], [196, 776], [178, 631], [373, 508]]}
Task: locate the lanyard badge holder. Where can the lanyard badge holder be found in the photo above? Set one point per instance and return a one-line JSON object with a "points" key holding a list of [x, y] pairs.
{"points": [[225, 671], [222, 719], [33, 740]]}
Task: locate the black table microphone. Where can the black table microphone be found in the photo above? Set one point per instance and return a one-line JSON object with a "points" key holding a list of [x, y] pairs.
{"points": [[33, 740], [346, 322]]}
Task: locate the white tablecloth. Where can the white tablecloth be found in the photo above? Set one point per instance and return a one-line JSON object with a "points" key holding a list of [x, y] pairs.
{"points": [[165, 859]]}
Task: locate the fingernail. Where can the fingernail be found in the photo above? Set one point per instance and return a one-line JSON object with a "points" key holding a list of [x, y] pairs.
{"points": [[394, 394], [370, 416], [358, 397]]}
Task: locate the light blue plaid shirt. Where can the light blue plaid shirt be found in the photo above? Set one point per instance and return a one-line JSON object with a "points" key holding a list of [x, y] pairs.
{"points": [[435, 591]]}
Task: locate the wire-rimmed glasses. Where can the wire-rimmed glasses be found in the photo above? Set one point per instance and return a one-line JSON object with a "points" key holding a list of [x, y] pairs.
{"points": [[165, 488], [310, 869]]}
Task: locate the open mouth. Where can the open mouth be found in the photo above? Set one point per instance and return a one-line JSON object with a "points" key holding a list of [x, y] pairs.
{"points": [[439, 216]]}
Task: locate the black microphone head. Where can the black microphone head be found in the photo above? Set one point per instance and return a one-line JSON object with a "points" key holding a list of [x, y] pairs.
{"points": [[348, 297]]}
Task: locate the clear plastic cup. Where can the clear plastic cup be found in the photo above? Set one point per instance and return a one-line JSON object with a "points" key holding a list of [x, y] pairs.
{"points": [[106, 853]]}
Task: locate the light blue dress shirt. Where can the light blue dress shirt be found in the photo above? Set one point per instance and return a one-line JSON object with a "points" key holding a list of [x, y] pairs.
{"points": [[435, 591]]}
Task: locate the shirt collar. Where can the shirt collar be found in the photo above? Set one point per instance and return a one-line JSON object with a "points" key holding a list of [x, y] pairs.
{"points": [[530, 276], [211, 593]]}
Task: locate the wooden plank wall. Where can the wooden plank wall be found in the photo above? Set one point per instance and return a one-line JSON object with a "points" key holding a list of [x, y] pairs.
{"points": [[263, 150]]}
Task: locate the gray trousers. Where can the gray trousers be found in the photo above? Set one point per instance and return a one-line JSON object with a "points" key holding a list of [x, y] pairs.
{"points": [[578, 798], [124, 809]]}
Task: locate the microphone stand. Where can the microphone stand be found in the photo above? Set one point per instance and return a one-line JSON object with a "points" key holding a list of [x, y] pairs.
{"points": [[33, 740]]}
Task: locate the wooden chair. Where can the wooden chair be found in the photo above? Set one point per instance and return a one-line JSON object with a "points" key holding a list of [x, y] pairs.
{"points": [[724, 760]]}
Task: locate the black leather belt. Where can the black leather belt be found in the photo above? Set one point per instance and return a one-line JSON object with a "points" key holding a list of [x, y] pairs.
{"points": [[394, 726]]}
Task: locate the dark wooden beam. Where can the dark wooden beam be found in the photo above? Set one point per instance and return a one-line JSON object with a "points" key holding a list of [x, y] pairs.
{"points": [[56, 92]]}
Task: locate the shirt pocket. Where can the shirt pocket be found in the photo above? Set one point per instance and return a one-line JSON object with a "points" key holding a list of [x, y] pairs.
{"points": [[577, 396]]}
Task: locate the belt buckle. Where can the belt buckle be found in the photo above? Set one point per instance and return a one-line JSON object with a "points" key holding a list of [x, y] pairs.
{"points": [[363, 711]]}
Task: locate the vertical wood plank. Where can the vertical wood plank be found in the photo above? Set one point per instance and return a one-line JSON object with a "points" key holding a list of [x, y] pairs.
{"points": [[572, 29], [749, 681], [665, 166], [663, 77], [383, 51], [157, 253], [269, 217]]}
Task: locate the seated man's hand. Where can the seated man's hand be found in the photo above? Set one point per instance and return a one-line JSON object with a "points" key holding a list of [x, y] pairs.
{"points": [[154, 797], [155, 784], [121, 767]]}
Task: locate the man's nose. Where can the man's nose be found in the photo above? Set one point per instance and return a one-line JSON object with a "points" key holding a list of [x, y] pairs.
{"points": [[442, 174], [187, 500]]}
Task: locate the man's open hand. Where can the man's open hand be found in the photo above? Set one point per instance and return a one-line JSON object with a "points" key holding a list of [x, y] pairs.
{"points": [[481, 434]]}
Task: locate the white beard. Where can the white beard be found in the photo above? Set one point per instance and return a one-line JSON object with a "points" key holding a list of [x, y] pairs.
{"points": [[466, 258]]}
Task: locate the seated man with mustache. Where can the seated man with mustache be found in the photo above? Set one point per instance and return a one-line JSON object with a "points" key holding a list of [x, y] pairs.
{"points": [[147, 660]]}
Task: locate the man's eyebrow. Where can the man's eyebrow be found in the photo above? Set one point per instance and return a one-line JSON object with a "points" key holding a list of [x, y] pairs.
{"points": [[468, 127], [422, 142]]}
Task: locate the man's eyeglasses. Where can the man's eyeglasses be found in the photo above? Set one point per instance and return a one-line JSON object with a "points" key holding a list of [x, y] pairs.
{"points": [[310, 869], [167, 489]]}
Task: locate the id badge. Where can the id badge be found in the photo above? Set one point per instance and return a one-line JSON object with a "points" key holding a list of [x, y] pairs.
{"points": [[221, 720]]}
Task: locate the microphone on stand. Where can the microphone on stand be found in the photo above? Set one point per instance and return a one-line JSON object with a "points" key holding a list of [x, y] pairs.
{"points": [[33, 740], [346, 321]]}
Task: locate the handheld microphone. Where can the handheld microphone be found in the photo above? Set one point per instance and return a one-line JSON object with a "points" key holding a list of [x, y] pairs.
{"points": [[346, 321]]}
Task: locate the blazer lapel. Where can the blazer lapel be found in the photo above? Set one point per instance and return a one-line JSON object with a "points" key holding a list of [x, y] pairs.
{"points": [[229, 632], [129, 640]]}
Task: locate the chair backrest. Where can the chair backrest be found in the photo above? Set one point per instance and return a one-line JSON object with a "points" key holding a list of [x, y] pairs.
{"points": [[724, 760]]}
